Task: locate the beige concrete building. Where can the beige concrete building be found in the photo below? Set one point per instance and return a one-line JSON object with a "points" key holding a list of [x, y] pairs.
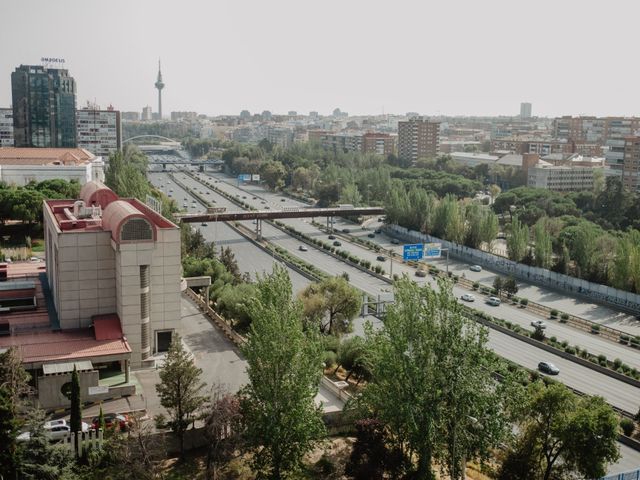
{"points": [[107, 255], [571, 175]]}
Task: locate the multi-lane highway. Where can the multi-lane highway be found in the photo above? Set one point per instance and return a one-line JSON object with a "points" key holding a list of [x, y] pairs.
{"points": [[252, 259], [619, 394]]}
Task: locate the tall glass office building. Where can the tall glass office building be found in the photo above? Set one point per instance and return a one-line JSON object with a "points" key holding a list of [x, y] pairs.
{"points": [[44, 107]]}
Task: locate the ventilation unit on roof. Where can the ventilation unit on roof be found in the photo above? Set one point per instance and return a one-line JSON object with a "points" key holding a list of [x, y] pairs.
{"points": [[80, 210]]}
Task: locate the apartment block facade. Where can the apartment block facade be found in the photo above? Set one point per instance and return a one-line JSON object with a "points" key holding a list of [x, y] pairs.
{"points": [[6, 127], [418, 138], [631, 163], [99, 131]]}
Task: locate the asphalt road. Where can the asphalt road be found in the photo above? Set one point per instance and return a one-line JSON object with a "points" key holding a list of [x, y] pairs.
{"points": [[576, 306], [593, 343]]}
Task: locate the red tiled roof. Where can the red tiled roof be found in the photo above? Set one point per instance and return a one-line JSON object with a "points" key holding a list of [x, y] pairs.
{"points": [[107, 327], [69, 345], [44, 156]]}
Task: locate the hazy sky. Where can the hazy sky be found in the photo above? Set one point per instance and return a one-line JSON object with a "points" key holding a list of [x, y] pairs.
{"points": [[474, 57]]}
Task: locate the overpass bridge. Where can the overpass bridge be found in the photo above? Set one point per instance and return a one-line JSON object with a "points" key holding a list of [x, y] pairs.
{"points": [[220, 214], [165, 144]]}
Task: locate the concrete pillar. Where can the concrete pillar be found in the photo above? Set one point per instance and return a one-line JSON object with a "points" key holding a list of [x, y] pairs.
{"points": [[126, 371]]}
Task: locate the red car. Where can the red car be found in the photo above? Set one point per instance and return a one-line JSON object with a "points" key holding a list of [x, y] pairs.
{"points": [[111, 420]]}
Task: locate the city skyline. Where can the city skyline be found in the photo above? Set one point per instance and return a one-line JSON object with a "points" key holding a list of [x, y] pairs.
{"points": [[223, 58]]}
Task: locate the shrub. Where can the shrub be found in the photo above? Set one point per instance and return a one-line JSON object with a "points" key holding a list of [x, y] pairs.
{"points": [[564, 344], [627, 426], [395, 277], [378, 269], [602, 358], [329, 358], [595, 329], [624, 339], [553, 340], [564, 316], [570, 350], [617, 363], [475, 285], [554, 313], [524, 302]]}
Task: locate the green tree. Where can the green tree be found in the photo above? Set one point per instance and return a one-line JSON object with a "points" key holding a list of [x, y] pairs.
{"points": [[543, 246], [567, 434], [284, 368], [75, 422], [498, 285], [15, 379], [431, 383], [273, 174], [510, 286], [8, 432], [126, 173], [223, 430], [350, 194], [180, 389], [102, 425], [333, 303], [517, 240]]}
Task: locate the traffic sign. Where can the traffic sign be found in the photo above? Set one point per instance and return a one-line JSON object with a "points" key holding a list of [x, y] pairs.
{"points": [[432, 250], [244, 177], [413, 251]]}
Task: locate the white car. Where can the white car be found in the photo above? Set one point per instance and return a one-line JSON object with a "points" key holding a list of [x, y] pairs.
{"points": [[493, 301], [54, 430], [475, 268], [303, 248], [467, 297], [538, 324]]}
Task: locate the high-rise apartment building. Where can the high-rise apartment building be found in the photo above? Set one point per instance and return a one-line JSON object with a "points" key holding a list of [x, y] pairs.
{"points": [[6, 127], [631, 163], [418, 138], [99, 131], [525, 110], [380, 143], [130, 116], [147, 113], [44, 107]]}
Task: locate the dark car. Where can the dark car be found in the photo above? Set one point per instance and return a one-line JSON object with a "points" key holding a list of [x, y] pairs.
{"points": [[371, 235], [421, 273], [380, 258], [112, 420], [283, 199], [345, 230], [395, 241], [377, 231], [332, 237], [337, 244], [548, 367]]}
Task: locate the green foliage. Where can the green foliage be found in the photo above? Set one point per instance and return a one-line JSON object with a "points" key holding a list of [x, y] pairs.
{"points": [[8, 433], [126, 173], [180, 389], [517, 240], [627, 426], [284, 368], [430, 381], [75, 422], [332, 304], [567, 434]]}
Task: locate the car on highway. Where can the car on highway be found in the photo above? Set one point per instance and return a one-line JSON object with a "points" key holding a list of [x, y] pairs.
{"points": [[303, 248], [208, 192], [184, 205], [112, 420], [380, 258], [538, 324], [267, 207], [283, 199], [332, 237], [263, 202], [244, 197], [548, 367], [345, 230], [475, 268], [378, 231], [337, 244], [54, 430], [493, 301], [467, 297], [371, 235], [421, 273], [254, 198], [395, 241], [204, 224]]}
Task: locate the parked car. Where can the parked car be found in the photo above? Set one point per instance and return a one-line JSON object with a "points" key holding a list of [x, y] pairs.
{"points": [[371, 235], [467, 297], [475, 268], [337, 244], [112, 420], [332, 237], [303, 248], [539, 324], [493, 301], [548, 367], [54, 430], [381, 258]]}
